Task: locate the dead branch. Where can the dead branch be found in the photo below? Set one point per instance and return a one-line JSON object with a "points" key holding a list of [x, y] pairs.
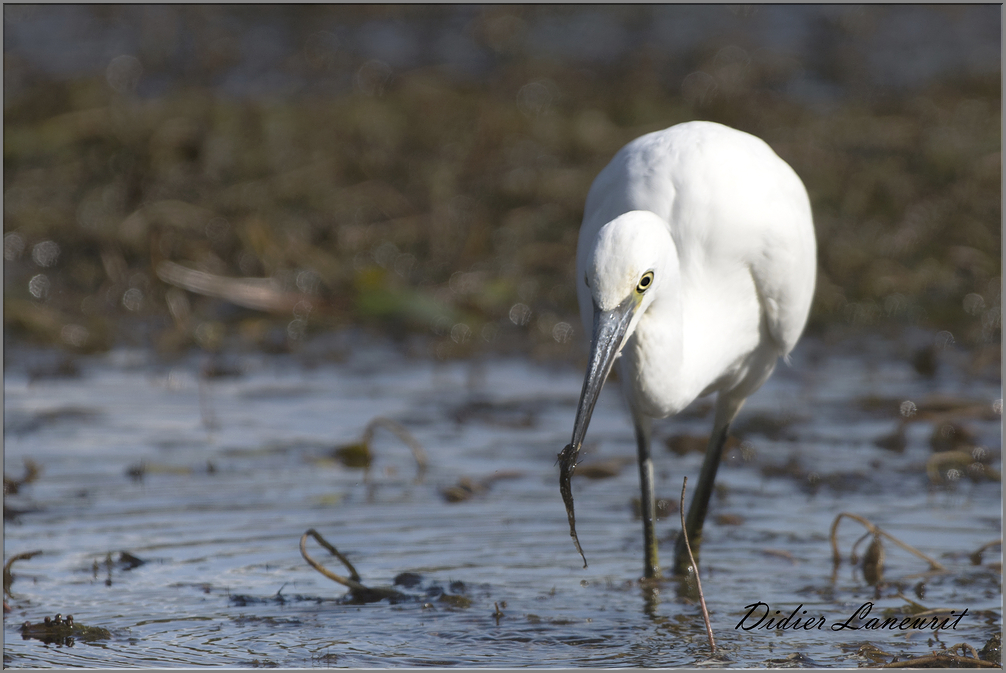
{"points": [[261, 294], [698, 582], [837, 557], [359, 591]]}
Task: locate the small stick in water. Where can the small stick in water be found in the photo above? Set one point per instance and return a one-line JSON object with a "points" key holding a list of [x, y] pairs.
{"points": [[698, 582], [837, 557], [8, 576], [358, 590], [417, 449], [567, 463]]}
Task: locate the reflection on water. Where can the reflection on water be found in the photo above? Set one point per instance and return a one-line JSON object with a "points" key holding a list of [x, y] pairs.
{"points": [[168, 507]]}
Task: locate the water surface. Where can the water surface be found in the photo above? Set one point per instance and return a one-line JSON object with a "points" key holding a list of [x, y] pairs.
{"points": [[211, 481]]}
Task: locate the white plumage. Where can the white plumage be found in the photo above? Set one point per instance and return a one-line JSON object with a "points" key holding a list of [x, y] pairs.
{"points": [[724, 226]]}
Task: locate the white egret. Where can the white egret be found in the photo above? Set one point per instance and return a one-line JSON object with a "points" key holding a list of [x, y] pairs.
{"points": [[695, 269]]}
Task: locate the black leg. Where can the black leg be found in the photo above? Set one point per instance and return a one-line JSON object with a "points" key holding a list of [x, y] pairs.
{"points": [[700, 502], [647, 500]]}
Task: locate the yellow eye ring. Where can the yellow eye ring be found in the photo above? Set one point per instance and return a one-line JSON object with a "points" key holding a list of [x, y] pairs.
{"points": [[645, 282]]}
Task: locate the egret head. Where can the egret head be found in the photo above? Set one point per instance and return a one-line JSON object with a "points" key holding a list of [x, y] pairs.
{"points": [[626, 258], [625, 270]]}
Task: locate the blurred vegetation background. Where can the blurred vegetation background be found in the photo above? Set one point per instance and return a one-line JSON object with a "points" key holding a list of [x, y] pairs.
{"points": [[259, 176]]}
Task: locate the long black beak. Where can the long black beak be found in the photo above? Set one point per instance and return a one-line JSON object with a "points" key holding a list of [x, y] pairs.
{"points": [[605, 343]]}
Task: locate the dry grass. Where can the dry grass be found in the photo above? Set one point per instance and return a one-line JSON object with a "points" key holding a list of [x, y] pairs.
{"points": [[418, 202]]}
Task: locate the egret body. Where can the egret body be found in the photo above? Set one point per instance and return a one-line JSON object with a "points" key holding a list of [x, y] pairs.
{"points": [[695, 265]]}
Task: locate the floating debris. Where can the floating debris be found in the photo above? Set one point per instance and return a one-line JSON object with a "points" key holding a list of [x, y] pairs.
{"points": [[947, 467], [354, 455], [603, 469], [873, 653], [948, 658], [873, 561], [360, 593], [60, 631], [682, 445], [780, 553], [467, 488], [137, 471], [243, 600], [359, 454], [127, 561], [993, 649], [896, 441], [455, 601], [32, 470], [141, 470], [408, 580], [951, 436], [976, 556], [876, 553], [795, 660]]}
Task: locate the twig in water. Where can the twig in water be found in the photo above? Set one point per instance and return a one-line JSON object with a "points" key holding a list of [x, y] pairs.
{"points": [[691, 559], [360, 455], [355, 576], [417, 449], [8, 576], [966, 646], [359, 591], [837, 557], [976, 556]]}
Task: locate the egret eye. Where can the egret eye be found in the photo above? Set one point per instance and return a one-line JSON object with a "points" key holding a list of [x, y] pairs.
{"points": [[645, 282]]}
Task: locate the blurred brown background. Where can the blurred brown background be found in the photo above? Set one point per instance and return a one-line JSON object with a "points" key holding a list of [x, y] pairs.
{"points": [[258, 177]]}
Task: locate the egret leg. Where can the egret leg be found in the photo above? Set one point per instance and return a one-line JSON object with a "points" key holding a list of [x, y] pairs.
{"points": [[647, 499], [700, 502]]}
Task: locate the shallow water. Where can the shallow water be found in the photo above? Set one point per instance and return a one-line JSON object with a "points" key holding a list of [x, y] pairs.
{"points": [[212, 481]]}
